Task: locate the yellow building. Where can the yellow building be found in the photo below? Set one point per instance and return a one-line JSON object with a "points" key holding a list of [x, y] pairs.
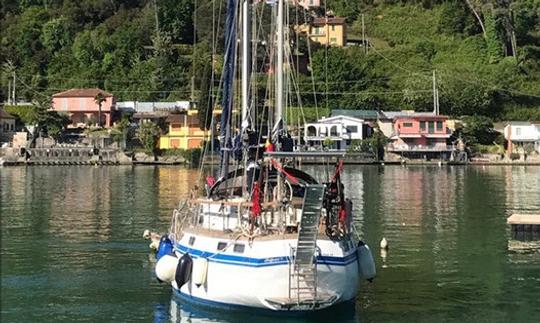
{"points": [[184, 131], [327, 31]]}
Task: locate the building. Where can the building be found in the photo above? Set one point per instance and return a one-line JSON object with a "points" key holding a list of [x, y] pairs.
{"points": [[7, 126], [82, 108], [152, 107], [184, 131], [326, 31], [341, 130], [521, 134], [307, 4], [419, 134]]}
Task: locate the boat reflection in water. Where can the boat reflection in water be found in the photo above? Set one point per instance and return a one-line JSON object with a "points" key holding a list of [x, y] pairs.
{"points": [[178, 311]]}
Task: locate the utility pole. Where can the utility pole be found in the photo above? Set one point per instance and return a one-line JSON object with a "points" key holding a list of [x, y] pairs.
{"points": [[14, 99], [9, 92], [364, 35], [435, 95], [156, 16]]}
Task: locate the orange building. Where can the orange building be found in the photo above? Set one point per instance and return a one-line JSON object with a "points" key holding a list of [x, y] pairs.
{"points": [[184, 131]]}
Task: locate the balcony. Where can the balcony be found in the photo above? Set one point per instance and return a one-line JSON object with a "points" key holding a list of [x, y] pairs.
{"points": [[418, 148]]}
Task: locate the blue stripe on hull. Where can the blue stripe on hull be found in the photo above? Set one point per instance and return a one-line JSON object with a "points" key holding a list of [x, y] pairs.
{"points": [[201, 302], [262, 262]]}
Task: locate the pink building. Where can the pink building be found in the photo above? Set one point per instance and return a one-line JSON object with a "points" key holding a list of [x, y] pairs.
{"points": [[422, 134], [82, 108]]}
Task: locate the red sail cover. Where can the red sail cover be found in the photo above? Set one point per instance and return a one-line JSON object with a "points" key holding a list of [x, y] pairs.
{"points": [[256, 199]]}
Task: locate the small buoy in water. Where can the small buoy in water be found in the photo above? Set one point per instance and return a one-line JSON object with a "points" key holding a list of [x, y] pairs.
{"points": [[384, 243], [384, 254], [366, 264], [166, 268], [200, 270]]}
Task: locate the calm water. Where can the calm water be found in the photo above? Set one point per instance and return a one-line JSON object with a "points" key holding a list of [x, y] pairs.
{"points": [[72, 247]]}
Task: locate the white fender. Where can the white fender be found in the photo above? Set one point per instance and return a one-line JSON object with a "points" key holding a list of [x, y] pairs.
{"points": [[366, 264], [200, 268], [166, 268]]}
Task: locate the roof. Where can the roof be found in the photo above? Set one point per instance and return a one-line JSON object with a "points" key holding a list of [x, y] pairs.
{"points": [[338, 118], [519, 123], [321, 21], [411, 114], [5, 115], [359, 114], [82, 93]]}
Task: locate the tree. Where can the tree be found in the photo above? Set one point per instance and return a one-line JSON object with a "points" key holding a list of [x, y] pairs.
{"points": [[148, 134], [477, 130], [99, 99]]}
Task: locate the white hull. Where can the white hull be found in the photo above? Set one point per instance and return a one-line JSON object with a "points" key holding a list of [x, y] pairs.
{"points": [[259, 275]]}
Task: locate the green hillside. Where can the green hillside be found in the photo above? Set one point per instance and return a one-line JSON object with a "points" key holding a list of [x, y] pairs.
{"points": [[54, 45]]}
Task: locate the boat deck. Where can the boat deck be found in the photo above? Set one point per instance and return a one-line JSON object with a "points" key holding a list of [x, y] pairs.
{"points": [[234, 234]]}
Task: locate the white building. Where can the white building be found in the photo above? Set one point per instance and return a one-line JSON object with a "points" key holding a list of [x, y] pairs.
{"points": [[7, 126], [520, 134], [340, 129]]}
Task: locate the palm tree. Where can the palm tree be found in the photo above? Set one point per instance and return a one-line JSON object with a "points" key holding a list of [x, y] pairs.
{"points": [[99, 99]]}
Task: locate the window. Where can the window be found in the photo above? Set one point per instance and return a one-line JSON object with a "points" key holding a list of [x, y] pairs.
{"points": [[439, 126], [311, 131], [316, 30], [191, 240], [239, 248], [407, 124], [352, 129], [333, 27], [423, 125], [333, 40], [333, 131], [518, 131], [221, 246]]}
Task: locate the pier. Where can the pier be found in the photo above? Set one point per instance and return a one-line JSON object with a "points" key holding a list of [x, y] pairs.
{"points": [[525, 227]]}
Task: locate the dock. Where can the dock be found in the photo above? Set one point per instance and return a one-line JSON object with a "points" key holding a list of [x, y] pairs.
{"points": [[525, 227], [524, 219]]}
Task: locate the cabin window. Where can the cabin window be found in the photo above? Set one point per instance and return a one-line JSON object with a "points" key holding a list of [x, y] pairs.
{"points": [[423, 125], [333, 131], [439, 126], [352, 129], [518, 131], [407, 124], [191, 240], [333, 28], [333, 40], [239, 248], [221, 246]]}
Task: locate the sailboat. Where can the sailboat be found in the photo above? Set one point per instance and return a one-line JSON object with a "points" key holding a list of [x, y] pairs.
{"points": [[265, 234]]}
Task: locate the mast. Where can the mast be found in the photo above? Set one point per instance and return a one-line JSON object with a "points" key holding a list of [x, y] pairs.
{"points": [[246, 42], [279, 67], [228, 78]]}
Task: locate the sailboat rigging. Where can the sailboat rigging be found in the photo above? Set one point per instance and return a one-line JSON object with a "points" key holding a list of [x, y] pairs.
{"points": [[265, 235]]}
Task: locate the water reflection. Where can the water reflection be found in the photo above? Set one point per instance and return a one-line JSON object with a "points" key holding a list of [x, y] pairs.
{"points": [[177, 311], [71, 244]]}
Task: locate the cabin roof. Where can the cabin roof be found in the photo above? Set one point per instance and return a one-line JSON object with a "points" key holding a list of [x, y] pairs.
{"points": [[82, 93]]}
